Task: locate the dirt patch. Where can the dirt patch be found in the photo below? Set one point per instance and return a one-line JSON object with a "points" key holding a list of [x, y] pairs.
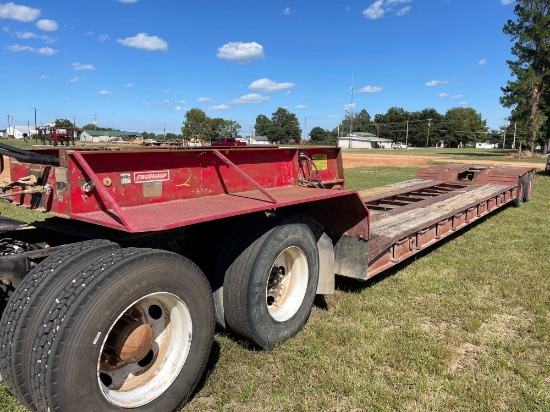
{"points": [[394, 160]]}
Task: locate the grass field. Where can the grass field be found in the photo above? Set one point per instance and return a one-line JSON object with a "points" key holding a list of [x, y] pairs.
{"points": [[463, 327]]}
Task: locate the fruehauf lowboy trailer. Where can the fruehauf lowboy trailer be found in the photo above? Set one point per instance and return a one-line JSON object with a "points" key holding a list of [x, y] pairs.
{"points": [[111, 303]]}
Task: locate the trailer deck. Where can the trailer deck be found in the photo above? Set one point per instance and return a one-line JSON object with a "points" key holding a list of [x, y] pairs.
{"points": [[155, 244]]}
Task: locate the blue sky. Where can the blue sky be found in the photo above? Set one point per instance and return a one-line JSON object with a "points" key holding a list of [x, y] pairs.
{"points": [[141, 64]]}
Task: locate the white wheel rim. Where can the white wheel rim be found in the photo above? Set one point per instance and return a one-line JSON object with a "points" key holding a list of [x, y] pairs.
{"points": [[130, 385], [287, 284]]}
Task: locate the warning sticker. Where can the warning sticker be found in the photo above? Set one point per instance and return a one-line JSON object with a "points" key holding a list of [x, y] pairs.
{"points": [[151, 176], [320, 161]]}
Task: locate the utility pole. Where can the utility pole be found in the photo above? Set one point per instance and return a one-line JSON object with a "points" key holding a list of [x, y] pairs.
{"points": [[428, 137], [95, 121], [35, 109], [407, 135], [504, 138], [164, 138], [351, 109], [515, 130]]}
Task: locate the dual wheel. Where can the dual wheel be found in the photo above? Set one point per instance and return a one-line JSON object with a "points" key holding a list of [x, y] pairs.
{"points": [[270, 271], [525, 189], [109, 328]]}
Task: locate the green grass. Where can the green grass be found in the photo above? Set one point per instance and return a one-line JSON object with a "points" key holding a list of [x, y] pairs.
{"points": [[464, 327]]}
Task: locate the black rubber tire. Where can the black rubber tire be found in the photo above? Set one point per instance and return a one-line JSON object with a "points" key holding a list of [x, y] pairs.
{"points": [[528, 187], [55, 143], [26, 308], [246, 279], [231, 249], [68, 344], [518, 201]]}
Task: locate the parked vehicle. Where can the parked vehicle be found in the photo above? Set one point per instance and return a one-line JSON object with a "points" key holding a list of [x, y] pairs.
{"points": [[228, 141], [112, 302], [399, 145], [57, 135], [548, 162]]}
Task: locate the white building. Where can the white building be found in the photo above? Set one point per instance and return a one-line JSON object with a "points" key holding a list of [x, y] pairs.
{"points": [[362, 140], [256, 140], [19, 132]]}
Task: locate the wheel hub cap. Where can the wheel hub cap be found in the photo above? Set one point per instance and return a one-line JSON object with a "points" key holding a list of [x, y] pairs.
{"points": [[134, 341]]}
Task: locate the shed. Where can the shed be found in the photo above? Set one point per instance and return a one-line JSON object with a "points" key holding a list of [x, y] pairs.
{"points": [[107, 135], [361, 140]]}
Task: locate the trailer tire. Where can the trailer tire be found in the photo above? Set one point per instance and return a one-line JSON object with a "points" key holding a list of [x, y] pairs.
{"points": [[27, 305], [228, 253], [102, 344], [518, 201], [528, 189], [279, 262]]}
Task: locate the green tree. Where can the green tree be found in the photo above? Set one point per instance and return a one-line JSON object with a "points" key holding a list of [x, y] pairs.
{"points": [[263, 125], [356, 122], [63, 123], [531, 36], [464, 124], [195, 125], [318, 135], [285, 127]]}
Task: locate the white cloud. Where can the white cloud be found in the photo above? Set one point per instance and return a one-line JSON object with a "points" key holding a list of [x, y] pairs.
{"points": [[47, 25], [287, 11], [241, 52], [506, 2], [127, 1], [301, 106], [104, 37], [370, 89], [375, 10], [349, 106], [482, 62], [26, 35], [16, 12], [205, 100], [333, 115], [181, 102], [463, 103], [166, 101], [74, 79], [218, 108], [44, 76], [250, 98], [403, 11], [129, 85], [444, 95], [80, 66], [266, 85], [380, 7], [46, 51], [177, 108], [433, 83], [105, 92], [66, 99], [456, 96], [145, 42], [165, 91]]}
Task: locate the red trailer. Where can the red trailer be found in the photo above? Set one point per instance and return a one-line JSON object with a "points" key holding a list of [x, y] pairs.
{"points": [[112, 302], [57, 135]]}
